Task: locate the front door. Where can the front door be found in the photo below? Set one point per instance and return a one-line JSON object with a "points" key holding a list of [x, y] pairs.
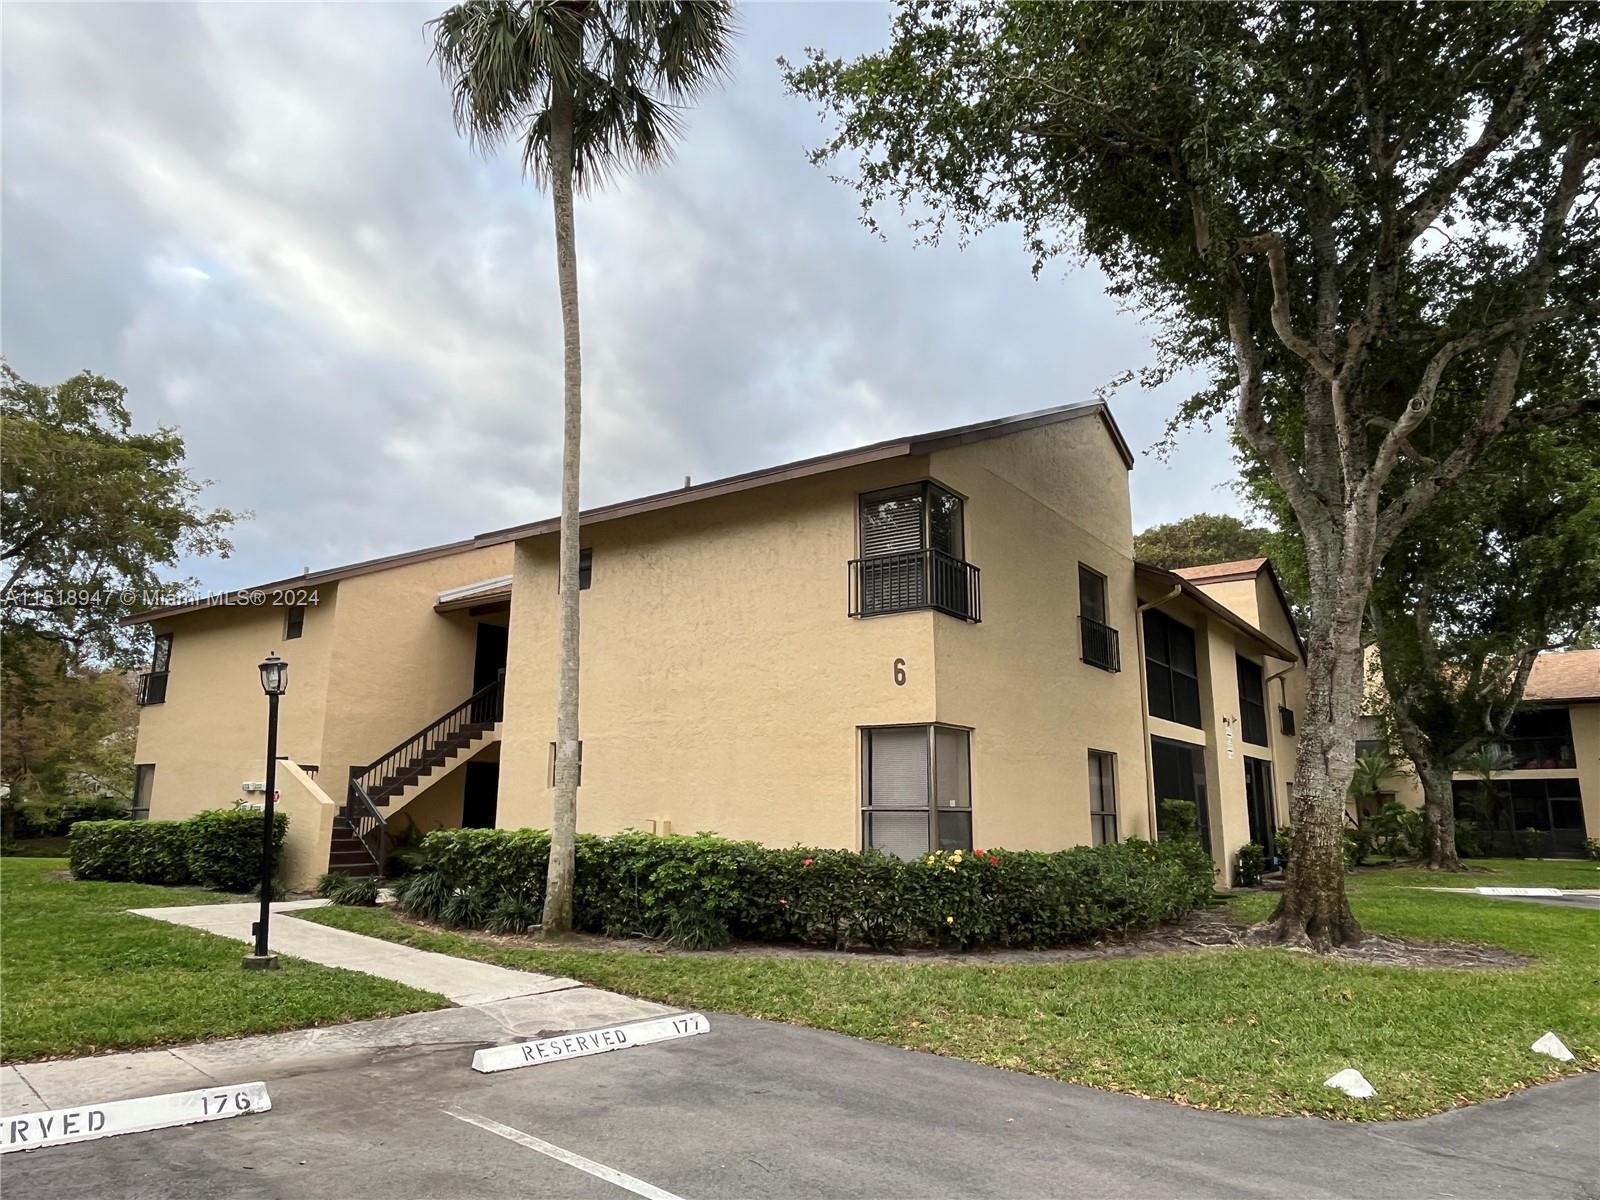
{"points": [[1258, 801], [488, 661], [480, 795]]}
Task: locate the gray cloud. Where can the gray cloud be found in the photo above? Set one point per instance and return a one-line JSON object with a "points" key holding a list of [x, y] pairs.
{"points": [[261, 220]]}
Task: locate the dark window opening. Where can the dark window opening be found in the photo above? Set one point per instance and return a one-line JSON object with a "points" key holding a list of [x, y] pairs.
{"points": [[1102, 797], [1252, 703], [1100, 643], [144, 782], [1179, 772], [153, 683], [294, 622], [1553, 807], [1286, 720], [1172, 669], [916, 789]]}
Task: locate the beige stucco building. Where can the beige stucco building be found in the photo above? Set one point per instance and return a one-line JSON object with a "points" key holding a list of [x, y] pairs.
{"points": [[1552, 749], [927, 642]]}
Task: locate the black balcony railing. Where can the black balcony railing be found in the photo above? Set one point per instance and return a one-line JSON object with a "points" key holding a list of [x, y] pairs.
{"points": [[153, 687], [1539, 753], [891, 583], [1101, 646]]}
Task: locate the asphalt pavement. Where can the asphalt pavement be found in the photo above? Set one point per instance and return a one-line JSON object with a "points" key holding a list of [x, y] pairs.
{"points": [[763, 1110]]}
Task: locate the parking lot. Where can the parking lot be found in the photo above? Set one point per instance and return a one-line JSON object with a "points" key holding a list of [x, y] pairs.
{"points": [[757, 1109]]}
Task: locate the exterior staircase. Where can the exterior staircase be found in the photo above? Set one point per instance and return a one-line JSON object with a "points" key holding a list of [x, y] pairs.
{"points": [[385, 785]]}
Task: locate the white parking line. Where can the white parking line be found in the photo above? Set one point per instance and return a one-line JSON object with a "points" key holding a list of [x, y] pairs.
{"points": [[599, 1170]]}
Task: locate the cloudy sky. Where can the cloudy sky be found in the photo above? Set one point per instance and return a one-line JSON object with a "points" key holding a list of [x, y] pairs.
{"points": [[260, 219]]}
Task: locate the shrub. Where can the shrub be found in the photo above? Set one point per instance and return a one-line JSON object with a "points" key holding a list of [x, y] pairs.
{"points": [[423, 893], [1282, 840], [1530, 843], [99, 849], [1357, 846], [55, 818], [1591, 847], [1469, 844], [158, 851], [1180, 818], [1249, 865], [701, 891], [357, 890], [1398, 831], [225, 847]]}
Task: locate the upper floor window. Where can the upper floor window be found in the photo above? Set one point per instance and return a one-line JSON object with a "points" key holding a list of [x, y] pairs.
{"points": [[1100, 643], [1371, 738], [913, 554], [1172, 669], [1252, 703], [916, 789], [294, 622], [153, 683]]}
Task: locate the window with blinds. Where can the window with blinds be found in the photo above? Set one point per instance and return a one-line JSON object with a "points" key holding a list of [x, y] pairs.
{"points": [[913, 547], [1252, 702], [1102, 797], [917, 790]]}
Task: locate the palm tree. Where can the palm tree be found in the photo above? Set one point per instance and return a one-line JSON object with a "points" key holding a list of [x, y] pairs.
{"points": [[1485, 764], [1373, 768], [589, 88]]}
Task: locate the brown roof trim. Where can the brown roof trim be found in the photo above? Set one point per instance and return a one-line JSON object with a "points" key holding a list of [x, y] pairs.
{"points": [[926, 443], [1190, 591], [307, 579], [841, 460], [1263, 564]]}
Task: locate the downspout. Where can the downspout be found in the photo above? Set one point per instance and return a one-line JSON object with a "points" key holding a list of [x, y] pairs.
{"points": [[1144, 700], [1283, 702]]}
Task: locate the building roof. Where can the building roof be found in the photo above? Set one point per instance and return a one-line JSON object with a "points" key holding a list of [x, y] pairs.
{"points": [[1569, 675], [908, 447], [471, 595], [1172, 579], [1242, 568]]}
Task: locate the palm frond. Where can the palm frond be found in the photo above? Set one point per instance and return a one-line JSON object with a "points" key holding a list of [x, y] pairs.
{"points": [[630, 66]]}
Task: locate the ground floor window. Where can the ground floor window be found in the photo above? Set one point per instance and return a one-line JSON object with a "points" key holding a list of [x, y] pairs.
{"points": [[916, 789], [1551, 806], [1179, 772], [1102, 797], [144, 781]]}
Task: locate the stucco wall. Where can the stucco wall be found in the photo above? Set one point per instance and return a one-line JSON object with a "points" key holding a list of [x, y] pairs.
{"points": [[722, 681], [310, 834], [1038, 504], [374, 663], [210, 735]]}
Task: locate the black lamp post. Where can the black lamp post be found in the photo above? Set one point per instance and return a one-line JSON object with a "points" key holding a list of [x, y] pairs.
{"points": [[274, 682]]}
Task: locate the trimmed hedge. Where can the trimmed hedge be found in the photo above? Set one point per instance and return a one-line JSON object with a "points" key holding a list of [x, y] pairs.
{"points": [[705, 890], [219, 849]]}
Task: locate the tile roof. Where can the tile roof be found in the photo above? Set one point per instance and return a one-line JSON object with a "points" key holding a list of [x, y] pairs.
{"points": [[1240, 568], [1569, 675]]}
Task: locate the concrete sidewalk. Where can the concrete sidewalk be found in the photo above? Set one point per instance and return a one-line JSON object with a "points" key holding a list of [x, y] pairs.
{"points": [[460, 980]]}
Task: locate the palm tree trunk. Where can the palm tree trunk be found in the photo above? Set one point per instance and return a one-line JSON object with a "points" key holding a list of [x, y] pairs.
{"points": [[564, 814]]}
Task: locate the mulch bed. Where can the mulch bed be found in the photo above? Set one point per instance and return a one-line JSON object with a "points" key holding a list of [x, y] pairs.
{"points": [[1209, 929]]}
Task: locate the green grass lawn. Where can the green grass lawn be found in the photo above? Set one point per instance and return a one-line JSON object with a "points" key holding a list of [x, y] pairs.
{"points": [[1253, 1031], [78, 975]]}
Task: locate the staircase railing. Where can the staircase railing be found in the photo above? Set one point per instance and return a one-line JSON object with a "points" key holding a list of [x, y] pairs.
{"points": [[368, 824], [483, 708]]}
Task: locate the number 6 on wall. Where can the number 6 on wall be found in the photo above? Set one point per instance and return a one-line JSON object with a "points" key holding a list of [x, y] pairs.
{"points": [[899, 672]]}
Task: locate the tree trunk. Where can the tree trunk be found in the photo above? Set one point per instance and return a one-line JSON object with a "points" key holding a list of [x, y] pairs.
{"points": [[564, 814], [1439, 810], [1313, 910]]}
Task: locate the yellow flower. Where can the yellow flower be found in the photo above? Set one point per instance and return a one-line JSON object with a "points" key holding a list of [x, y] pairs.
{"points": [[949, 920]]}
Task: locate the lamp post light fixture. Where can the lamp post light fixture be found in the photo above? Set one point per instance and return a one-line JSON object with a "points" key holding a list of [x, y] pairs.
{"points": [[274, 682]]}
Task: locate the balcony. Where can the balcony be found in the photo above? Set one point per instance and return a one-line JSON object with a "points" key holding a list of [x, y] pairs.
{"points": [[1101, 646], [915, 580], [153, 687], [1539, 753]]}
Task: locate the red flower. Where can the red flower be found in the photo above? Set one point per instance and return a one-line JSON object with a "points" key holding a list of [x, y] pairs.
{"points": [[993, 861], [807, 863], [979, 853]]}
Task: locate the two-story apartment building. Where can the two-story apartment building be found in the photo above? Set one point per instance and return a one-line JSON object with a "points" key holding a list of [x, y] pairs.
{"points": [[928, 642], [1551, 780]]}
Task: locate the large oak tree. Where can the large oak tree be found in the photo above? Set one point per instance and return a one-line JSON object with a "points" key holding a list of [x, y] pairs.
{"points": [[1334, 208]]}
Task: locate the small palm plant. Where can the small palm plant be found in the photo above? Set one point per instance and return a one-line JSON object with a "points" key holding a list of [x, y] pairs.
{"points": [[589, 88], [1486, 764]]}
